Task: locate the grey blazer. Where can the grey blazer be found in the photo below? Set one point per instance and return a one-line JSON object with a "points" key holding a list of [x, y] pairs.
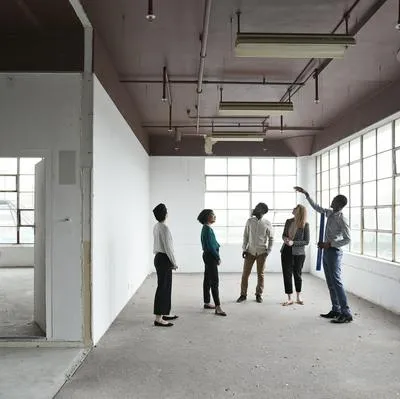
{"points": [[301, 238]]}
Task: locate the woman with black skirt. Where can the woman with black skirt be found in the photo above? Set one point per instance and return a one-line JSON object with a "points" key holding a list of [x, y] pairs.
{"points": [[211, 261], [164, 261]]}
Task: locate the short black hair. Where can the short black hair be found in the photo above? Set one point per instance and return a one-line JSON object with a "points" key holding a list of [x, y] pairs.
{"points": [[342, 199], [204, 215], [160, 212], [261, 207]]}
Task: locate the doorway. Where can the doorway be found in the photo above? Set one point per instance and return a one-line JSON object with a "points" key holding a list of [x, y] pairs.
{"points": [[22, 248]]}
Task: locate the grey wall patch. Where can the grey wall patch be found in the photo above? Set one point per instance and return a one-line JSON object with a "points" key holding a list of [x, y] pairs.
{"points": [[67, 167]]}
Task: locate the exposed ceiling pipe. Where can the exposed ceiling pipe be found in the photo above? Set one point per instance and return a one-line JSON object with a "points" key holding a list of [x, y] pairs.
{"points": [[204, 37], [316, 98], [352, 32], [150, 16], [233, 125], [262, 82], [166, 94], [227, 117], [397, 26], [301, 75]]}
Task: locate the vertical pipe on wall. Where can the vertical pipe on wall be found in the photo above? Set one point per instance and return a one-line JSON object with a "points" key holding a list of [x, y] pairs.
{"points": [[204, 37], [86, 165]]}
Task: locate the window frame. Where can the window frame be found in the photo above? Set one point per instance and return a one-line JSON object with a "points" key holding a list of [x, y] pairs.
{"points": [[375, 205], [19, 222], [273, 211]]}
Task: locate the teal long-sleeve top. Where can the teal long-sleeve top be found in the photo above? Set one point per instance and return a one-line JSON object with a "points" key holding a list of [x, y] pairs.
{"points": [[209, 242]]}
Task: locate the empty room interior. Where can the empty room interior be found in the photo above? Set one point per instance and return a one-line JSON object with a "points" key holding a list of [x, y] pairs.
{"points": [[109, 109]]}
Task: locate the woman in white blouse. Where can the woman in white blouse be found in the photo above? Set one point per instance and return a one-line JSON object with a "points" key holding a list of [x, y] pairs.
{"points": [[164, 261]]}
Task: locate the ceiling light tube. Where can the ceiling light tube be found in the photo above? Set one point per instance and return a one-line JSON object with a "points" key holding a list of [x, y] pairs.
{"points": [[252, 108], [237, 136], [292, 45]]}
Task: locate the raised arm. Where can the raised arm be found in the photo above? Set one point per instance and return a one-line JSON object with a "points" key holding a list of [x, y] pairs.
{"points": [[310, 201]]}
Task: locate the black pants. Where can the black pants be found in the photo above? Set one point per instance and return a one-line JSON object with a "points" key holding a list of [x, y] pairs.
{"points": [[211, 280], [292, 265], [162, 300]]}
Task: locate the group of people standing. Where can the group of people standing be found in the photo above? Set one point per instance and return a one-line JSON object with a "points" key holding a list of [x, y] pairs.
{"points": [[258, 239]]}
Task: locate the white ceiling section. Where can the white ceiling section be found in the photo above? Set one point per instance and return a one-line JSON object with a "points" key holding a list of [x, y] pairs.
{"points": [[140, 49]]}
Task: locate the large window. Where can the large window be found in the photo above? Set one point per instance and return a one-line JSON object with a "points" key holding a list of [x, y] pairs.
{"points": [[17, 185], [235, 185], [366, 170]]}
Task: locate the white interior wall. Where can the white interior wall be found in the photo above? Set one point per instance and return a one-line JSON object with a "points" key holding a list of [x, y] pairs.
{"points": [[40, 116], [121, 213], [179, 183]]}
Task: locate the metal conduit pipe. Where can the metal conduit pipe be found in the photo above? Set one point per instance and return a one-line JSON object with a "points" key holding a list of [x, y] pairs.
{"points": [[233, 126], [262, 82], [204, 37], [356, 28]]}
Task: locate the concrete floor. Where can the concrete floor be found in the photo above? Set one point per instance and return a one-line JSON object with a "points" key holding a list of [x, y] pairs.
{"points": [[258, 351], [35, 373], [16, 303]]}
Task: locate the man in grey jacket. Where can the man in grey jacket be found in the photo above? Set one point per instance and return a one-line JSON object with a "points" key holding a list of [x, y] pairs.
{"points": [[337, 234]]}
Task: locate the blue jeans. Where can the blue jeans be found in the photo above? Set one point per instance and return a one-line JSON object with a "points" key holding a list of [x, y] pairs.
{"points": [[333, 267]]}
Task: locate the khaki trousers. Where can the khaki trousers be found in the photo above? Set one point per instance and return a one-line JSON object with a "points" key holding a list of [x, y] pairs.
{"points": [[248, 265]]}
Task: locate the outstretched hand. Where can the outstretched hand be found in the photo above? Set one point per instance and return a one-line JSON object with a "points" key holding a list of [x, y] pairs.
{"points": [[300, 190]]}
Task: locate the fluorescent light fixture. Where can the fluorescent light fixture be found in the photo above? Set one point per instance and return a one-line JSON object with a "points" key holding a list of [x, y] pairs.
{"points": [[261, 109], [292, 45], [237, 136]]}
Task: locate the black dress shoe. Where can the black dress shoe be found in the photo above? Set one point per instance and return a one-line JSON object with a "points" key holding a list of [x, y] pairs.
{"points": [[343, 319], [241, 298], [220, 313], [259, 298], [158, 324], [167, 318], [330, 315]]}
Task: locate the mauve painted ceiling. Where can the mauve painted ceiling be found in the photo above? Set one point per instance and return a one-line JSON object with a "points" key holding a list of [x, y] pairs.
{"points": [[46, 35], [140, 49], [40, 35]]}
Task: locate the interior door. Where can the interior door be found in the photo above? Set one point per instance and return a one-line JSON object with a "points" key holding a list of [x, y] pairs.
{"points": [[40, 246]]}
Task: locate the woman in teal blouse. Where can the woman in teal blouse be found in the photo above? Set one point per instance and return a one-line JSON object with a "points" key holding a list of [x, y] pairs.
{"points": [[211, 260]]}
